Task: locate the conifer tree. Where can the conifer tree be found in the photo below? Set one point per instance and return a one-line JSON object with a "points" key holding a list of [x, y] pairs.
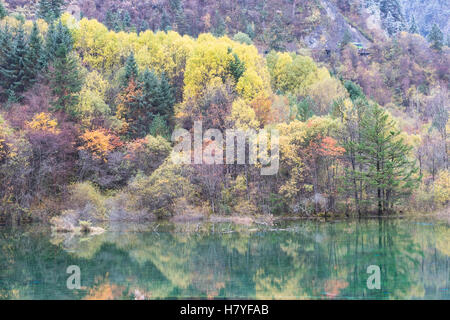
{"points": [[109, 19], [148, 104], [63, 37], [383, 166], [220, 28], [167, 98], [131, 70], [50, 45], [3, 12], [66, 81], [236, 67], [144, 26], [113, 21], [45, 11], [436, 37], [6, 48], [35, 54], [144, 100], [126, 21], [159, 127], [354, 90], [49, 10], [277, 34], [250, 30], [413, 28], [65, 76], [15, 69], [165, 21], [6, 39], [57, 36], [22, 66], [180, 19], [150, 89]]}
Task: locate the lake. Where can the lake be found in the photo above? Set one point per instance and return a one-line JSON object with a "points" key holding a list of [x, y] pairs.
{"points": [[306, 259]]}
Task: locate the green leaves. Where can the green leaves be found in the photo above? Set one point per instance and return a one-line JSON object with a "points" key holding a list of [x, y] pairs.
{"points": [[50, 10], [235, 67], [17, 70], [382, 169], [131, 70], [436, 37], [66, 81], [3, 12], [152, 98]]}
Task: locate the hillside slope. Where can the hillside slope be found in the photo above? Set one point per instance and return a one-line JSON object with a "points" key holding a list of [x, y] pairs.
{"points": [[428, 12]]}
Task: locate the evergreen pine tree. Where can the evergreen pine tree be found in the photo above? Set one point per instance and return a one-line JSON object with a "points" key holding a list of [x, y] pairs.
{"points": [[109, 19], [112, 21], [49, 10], [22, 65], [45, 11], [167, 98], [148, 104], [277, 34], [126, 21], [35, 54], [131, 70], [180, 19], [152, 98], [3, 12], [354, 90], [220, 27], [65, 78], [436, 37], [57, 7], [302, 109], [159, 127], [6, 59], [144, 26], [235, 67], [250, 30], [387, 172], [63, 37], [56, 36], [50, 45], [165, 22], [413, 28], [149, 86], [15, 69]]}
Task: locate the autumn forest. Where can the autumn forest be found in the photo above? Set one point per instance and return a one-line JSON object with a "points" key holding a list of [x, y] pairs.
{"points": [[88, 107]]}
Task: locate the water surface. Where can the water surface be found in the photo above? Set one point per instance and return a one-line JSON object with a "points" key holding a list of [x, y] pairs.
{"points": [[291, 260]]}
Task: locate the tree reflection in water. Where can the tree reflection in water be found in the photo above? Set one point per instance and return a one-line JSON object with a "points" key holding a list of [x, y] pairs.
{"points": [[302, 260]]}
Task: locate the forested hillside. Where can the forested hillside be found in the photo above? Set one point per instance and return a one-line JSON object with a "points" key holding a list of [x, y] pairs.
{"points": [[271, 23], [87, 109]]}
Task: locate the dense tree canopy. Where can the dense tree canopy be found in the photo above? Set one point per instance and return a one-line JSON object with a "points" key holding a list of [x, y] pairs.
{"points": [[81, 101]]}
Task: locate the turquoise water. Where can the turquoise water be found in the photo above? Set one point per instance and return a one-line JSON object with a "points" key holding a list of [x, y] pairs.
{"points": [[291, 260]]}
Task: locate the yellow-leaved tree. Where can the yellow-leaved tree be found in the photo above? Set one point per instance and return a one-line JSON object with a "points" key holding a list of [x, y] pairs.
{"points": [[442, 187], [222, 59], [92, 97], [292, 73]]}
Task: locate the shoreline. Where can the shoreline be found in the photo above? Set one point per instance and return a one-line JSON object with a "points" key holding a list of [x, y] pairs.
{"points": [[99, 227]]}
